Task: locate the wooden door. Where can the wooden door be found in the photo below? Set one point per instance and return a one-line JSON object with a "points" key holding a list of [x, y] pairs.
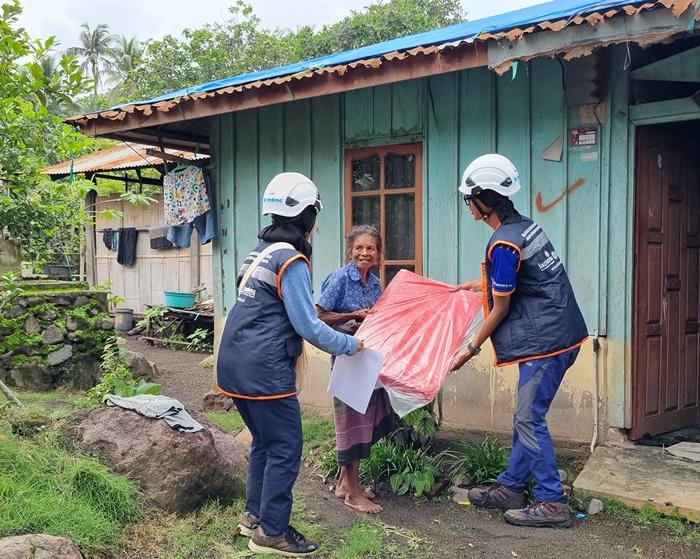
{"points": [[666, 323]]}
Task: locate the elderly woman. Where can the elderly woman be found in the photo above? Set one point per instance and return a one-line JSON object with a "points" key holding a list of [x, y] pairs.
{"points": [[347, 297]]}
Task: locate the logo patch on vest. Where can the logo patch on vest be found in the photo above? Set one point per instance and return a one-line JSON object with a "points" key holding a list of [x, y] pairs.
{"points": [[551, 261], [248, 292]]}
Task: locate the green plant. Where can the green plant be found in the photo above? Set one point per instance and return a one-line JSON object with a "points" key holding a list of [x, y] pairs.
{"points": [[197, 341], [416, 472], [417, 428], [9, 288], [478, 462], [117, 378], [114, 300], [152, 313]]}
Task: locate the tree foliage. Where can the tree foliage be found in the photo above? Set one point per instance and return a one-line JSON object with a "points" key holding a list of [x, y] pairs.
{"points": [[32, 211], [240, 45]]}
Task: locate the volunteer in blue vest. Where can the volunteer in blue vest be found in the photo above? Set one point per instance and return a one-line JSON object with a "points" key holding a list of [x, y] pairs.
{"points": [[533, 320], [260, 345]]}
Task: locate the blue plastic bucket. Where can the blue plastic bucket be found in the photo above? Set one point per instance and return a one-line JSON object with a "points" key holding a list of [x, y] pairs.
{"points": [[179, 300]]}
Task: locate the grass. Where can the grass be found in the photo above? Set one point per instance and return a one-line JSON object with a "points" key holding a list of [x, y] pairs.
{"points": [[44, 489], [476, 462], [232, 423], [647, 517]]}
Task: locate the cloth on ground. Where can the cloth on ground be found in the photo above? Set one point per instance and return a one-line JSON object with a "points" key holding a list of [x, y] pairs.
{"points": [[126, 252], [157, 407], [184, 196], [180, 235]]}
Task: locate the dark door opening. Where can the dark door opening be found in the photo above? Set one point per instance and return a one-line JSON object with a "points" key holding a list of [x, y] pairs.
{"points": [[666, 320]]}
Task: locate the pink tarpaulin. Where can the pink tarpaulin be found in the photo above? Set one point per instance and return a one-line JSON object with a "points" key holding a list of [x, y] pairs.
{"points": [[419, 325]]}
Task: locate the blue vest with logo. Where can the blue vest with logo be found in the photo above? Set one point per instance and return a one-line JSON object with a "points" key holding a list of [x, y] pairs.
{"points": [[259, 346], [544, 318]]}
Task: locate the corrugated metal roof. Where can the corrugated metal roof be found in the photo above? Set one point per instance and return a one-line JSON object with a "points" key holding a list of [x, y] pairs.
{"points": [[553, 16], [122, 157]]}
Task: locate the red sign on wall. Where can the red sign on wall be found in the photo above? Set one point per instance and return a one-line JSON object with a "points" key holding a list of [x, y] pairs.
{"points": [[581, 137]]}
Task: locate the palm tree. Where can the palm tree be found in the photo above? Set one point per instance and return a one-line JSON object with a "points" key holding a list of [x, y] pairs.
{"points": [[126, 55], [95, 50]]}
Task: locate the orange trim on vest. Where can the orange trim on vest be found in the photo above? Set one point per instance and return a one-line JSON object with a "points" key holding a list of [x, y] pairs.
{"points": [[484, 289], [275, 397], [495, 364], [284, 267]]}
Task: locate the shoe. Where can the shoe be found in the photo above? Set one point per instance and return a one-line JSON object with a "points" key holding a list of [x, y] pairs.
{"points": [[248, 523], [553, 515], [498, 496], [290, 543]]}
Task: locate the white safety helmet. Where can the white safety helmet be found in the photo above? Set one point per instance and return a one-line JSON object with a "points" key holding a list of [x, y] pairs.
{"points": [[490, 172], [288, 194]]}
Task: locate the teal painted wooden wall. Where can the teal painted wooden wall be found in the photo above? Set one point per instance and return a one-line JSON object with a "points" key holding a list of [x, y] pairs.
{"points": [[458, 116]]}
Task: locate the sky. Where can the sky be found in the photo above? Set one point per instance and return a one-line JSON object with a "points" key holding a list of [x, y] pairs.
{"points": [[150, 19]]}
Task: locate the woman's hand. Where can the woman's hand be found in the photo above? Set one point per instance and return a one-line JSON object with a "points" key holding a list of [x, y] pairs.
{"points": [[472, 285], [361, 314]]}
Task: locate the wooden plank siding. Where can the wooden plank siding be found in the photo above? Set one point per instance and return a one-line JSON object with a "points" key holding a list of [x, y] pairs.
{"points": [[155, 270], [457, 116]]}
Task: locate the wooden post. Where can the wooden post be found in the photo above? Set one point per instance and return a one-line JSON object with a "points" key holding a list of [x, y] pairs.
{"points": [[10, 396]]}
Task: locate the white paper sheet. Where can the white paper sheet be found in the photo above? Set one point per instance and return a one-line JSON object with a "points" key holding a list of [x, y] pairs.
{"points": [[353, 378]]}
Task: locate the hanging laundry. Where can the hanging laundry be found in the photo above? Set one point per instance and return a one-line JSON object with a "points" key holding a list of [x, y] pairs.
{"points": [[185, 196], [126, 251], [180, 235], [107, 238]]}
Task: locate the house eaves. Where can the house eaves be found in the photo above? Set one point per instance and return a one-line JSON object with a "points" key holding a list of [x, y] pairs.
{"points": [[467, 45], [122, 157]]}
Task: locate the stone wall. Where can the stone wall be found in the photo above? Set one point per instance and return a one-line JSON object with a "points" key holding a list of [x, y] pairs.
{"points": [[52, 335]]}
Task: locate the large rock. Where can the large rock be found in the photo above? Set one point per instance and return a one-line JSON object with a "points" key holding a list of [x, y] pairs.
{"points": [[38, 546], [32, 375], [177, 471], [139, 366]]}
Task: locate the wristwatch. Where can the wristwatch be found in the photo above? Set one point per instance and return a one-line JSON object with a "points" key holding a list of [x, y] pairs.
{"points": [[473, 350]]}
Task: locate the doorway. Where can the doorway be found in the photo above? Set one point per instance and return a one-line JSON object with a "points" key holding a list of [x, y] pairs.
{"points": [[666, 320]]}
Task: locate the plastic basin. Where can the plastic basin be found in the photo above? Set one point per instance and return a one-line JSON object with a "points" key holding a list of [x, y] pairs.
{"points": [[179, 299]]}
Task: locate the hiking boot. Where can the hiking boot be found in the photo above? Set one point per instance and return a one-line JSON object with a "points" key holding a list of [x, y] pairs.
{"points": [[498, 496], [290, 543], [248, 524], [553, 515]]}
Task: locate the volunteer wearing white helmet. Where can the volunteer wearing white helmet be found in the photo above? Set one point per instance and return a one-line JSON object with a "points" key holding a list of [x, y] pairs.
{"points": [[259, 348], [533, 320]]}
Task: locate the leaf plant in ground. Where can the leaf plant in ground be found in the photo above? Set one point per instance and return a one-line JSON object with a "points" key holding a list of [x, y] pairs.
{"points": [[9, 288], [477, 462], [117, 378]]}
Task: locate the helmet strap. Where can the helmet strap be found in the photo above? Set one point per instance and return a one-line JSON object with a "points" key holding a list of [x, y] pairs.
{"points": [[484, 215]]}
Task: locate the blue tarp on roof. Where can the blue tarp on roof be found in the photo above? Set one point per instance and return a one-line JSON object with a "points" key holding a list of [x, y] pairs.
{"points": [[555, 10]]}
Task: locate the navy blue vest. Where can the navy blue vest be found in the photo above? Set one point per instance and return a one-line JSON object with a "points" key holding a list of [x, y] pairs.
{"points": [[259, 346], [544, 318]]}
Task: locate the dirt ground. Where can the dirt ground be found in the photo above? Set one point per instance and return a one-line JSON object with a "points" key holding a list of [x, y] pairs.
{"points": [[441, 528]]}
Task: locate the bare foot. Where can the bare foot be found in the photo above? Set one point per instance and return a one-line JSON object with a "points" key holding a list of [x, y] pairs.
{"points": [[363, 504], [341, 493]]}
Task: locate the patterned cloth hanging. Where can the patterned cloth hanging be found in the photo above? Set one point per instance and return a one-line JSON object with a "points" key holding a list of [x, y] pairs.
{"points": [[185, 196]]}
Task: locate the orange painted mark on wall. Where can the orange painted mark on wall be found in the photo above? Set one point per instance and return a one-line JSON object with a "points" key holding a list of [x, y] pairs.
{"points": [[545, 208]]}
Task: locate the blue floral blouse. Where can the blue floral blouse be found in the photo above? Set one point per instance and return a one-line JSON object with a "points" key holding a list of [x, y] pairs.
{"points": [[343, 291]]}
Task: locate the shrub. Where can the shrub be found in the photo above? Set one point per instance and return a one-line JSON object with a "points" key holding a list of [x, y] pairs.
{"points": [[478, 462]]}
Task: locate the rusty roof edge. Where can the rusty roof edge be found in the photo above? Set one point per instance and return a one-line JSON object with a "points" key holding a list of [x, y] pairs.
{"points": [[574, 42], [675, 7]]}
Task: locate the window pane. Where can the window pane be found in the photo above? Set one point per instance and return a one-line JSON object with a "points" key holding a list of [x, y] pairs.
{"points": [[366, 211], [366, 174], [400, 171], [391, 271], [400, 229]]}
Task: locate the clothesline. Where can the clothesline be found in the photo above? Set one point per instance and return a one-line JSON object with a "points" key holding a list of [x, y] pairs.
{"points": [[117, 229]]}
